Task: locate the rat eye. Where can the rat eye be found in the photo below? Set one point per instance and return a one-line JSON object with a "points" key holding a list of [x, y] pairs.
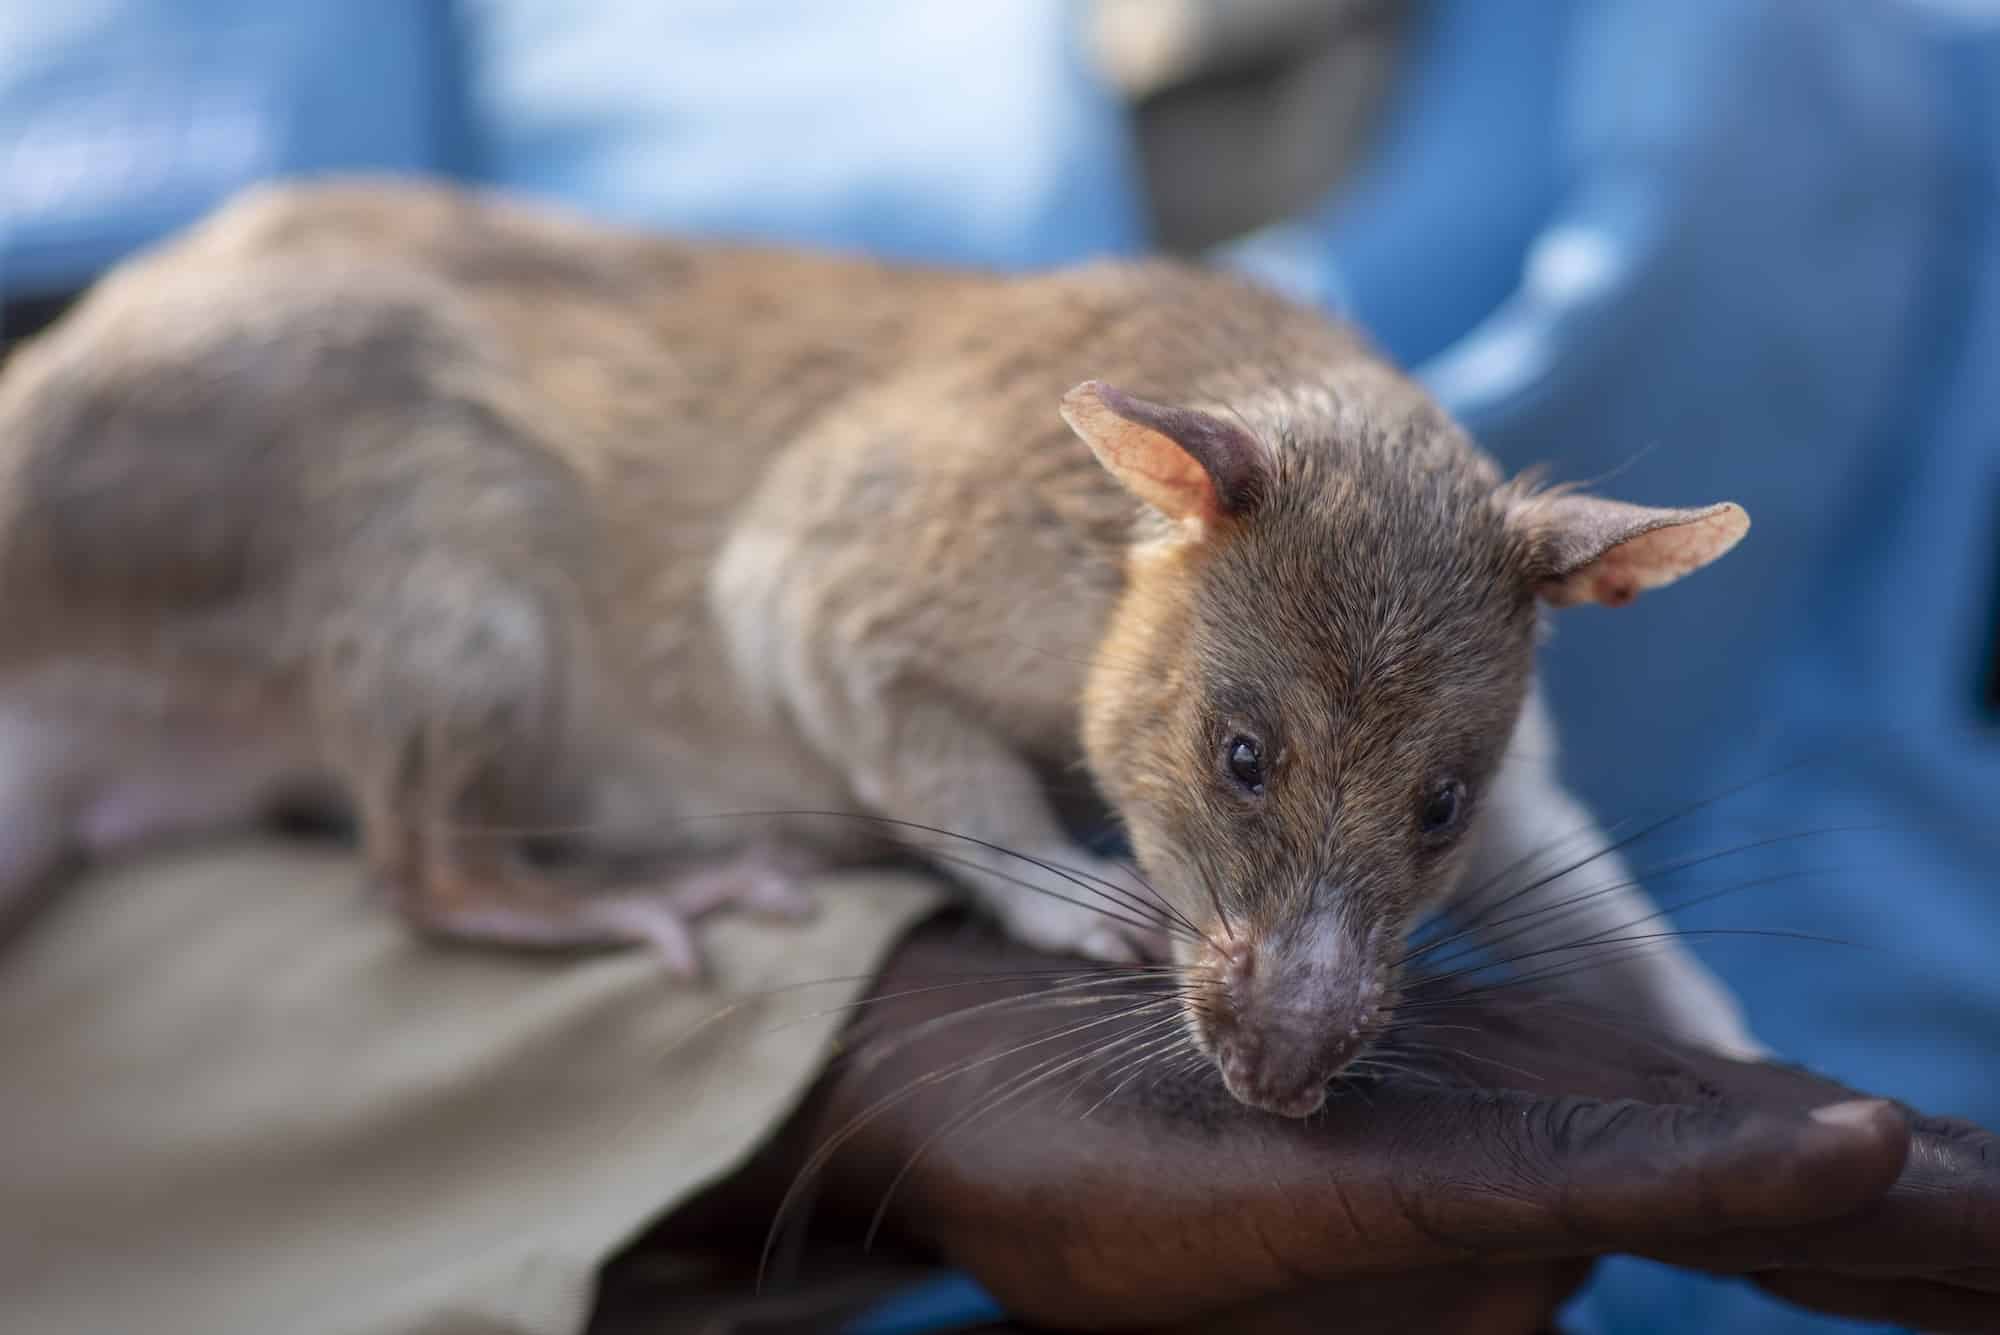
{"points": [[1245, 759], [1443, 808]]}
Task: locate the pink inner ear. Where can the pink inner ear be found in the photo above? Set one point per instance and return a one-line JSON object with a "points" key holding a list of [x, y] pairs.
{"points": [[1650, 559], [1161, 473], [1152, 465], [1607, 580]]}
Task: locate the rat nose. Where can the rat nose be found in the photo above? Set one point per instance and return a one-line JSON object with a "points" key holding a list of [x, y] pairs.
{"points": [[1293, 1013]]}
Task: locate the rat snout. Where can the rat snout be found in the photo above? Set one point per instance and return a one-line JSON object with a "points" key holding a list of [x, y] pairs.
{"points": [[1287, 1015]]}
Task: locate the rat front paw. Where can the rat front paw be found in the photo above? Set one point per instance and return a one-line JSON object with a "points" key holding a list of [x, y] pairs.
{"points": [[1098, 922]]}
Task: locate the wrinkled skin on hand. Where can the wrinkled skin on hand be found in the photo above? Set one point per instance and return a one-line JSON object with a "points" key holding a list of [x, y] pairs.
{"points": [[1472, 1190]]}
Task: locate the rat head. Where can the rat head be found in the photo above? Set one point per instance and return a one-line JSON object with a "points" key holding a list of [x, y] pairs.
{"points": [[1318, 661]]}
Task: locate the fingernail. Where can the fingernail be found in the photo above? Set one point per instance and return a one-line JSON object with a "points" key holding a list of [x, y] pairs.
{"points": [[1855, 1114]]}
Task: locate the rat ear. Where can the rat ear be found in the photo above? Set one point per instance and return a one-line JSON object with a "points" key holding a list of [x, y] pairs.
{"points": [[1583, 549], [1188, 465]]}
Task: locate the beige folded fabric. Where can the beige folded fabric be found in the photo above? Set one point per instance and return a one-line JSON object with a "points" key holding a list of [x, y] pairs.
{"points": [[237, 1096]]}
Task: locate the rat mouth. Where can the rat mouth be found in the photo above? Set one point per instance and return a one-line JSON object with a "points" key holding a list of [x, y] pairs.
{"points": [[1270, 1089]]}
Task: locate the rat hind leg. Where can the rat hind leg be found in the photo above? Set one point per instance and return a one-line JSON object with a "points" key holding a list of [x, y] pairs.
{"points": [[494, 896], [464, 872], [465, 718]]}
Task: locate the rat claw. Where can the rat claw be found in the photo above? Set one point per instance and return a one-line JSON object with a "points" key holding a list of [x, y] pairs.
{"points": [[1076, 929], [763, 881]]}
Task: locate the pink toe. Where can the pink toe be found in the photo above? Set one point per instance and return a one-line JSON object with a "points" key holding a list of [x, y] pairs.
{"points": [[779, 897], [657, 925]]}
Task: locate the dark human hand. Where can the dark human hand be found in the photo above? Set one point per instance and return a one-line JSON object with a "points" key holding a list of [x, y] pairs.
{"points": [[1469, 1185]]}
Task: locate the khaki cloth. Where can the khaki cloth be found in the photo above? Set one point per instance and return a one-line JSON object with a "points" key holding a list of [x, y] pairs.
{"points": [[235, 1095]]}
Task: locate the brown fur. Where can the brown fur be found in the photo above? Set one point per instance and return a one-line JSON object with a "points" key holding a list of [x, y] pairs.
{"points": [[499, 520]]}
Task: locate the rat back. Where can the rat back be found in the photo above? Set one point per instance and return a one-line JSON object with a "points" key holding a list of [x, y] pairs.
{"points": [[471, 509], [381, 488], [417, 498]]}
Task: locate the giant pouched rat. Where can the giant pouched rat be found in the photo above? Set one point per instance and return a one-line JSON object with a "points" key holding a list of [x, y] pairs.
{"points": [[494, 521]]}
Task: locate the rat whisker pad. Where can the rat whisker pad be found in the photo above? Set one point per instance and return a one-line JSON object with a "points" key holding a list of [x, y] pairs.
{"points": [[485, 517]]}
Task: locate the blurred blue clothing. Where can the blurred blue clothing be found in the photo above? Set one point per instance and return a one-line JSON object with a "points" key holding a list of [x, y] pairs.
{"points": [[1769, 272], [965, 132], [1742, 249], [124, 120], [1429, 233]]}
